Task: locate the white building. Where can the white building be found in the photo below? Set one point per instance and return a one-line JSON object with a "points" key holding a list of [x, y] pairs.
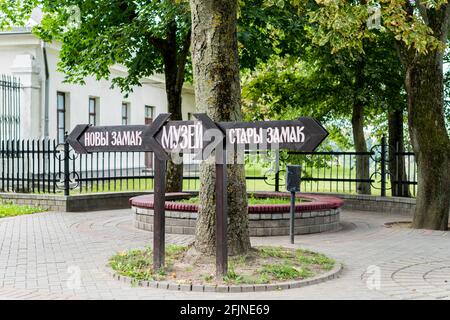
{"points": [[50, 107]]}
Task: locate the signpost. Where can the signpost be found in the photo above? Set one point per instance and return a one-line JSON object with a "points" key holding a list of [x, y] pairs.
{"points": [[201, 137]]}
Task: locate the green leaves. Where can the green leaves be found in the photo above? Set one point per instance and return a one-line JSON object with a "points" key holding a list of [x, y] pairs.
{"points": [[342, 24]]}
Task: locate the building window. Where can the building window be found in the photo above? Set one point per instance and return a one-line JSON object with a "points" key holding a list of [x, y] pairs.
{"points": [[125, 113], [61, 115], [149, 113], [93, 111]]}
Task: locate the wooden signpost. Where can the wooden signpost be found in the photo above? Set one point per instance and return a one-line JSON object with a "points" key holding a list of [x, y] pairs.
{"points": [[201, 137]]}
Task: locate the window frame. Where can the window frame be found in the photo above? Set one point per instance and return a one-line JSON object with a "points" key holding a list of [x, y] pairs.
{"points": [[62, 111], [125, 118], [93, 114], [151, 114]]}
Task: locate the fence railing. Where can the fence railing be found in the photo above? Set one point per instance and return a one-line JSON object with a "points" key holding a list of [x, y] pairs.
{"points": [[43, 166], [9, 107]]}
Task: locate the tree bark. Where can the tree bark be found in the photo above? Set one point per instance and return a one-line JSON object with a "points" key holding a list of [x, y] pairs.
{"points": [[429, 138], [397, 166], [174, 68], [217, 90], [359, 140], [362, 161]]}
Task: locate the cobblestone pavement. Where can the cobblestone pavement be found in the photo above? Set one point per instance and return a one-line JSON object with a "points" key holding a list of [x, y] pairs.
{"points": [[42, 254]]}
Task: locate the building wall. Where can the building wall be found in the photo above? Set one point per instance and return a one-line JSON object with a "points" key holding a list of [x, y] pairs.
{"points": [[21, 55]]}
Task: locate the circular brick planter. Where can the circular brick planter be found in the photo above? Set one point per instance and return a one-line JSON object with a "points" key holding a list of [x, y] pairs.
{"points": [[317, 213], [332, 274]]}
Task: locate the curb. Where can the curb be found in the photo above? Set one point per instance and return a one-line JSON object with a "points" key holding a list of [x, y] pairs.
{"points": [[167, 285]]}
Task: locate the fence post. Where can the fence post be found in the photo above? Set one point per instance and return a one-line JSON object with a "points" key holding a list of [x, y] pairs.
{"points": [[66, 166], [277, 171], [383, 166]]}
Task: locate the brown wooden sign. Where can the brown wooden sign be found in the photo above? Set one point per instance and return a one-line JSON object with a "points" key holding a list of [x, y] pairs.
{"points": [[164, 137]]}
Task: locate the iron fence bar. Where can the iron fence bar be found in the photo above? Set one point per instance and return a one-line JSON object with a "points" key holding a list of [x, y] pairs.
{"points": [[54, 165], [38, 167], [383, 166], [3, 166], [66, 166]]}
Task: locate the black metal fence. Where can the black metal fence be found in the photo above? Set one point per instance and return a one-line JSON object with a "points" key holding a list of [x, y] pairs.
{"points": [[9, 108], [43, 166]]}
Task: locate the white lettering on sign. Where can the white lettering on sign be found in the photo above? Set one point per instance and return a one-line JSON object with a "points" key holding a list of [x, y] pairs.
{"points": [[188, 136], [114, 138], [94, 139], [287, 134], [245, 135]]}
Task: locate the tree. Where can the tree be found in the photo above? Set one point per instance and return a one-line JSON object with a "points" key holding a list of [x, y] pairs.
{"points": [[147, 37], [217, 88], [421, 31], [332, 87]]}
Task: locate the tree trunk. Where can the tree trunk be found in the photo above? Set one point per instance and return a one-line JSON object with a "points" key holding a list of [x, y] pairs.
{"points": [[217, 91], [174, 67], [174, 176], [396, 162], [362, 161], [429, 138], [359, 141]]}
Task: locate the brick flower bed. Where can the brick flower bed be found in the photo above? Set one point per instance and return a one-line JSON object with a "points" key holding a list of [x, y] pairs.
{"points": [[316, 213]]}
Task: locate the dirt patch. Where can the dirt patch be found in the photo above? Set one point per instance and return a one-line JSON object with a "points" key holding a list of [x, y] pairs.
{"points": [[262, 265]]}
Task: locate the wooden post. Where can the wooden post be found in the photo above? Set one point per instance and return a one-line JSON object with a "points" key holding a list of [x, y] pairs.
{"points": [[221, 214], [159, 225]]}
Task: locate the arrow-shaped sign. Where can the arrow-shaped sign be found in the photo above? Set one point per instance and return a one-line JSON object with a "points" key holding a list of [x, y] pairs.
{"points": [[86, 139], [198, 137]]}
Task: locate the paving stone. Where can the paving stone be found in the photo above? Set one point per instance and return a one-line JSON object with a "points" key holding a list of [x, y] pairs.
{"points": [[38, 251]]}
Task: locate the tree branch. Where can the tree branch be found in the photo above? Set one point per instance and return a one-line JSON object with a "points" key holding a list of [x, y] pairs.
{"points": [[182, 59], [158, 43]]}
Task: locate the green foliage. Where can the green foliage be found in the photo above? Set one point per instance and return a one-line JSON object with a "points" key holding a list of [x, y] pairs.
{"points": [[285, 271], [132, 34], [273, 264], [251, 200], [265, 30], [343, 24], [311, 258], [9, 209], [274, 252], [138, 264]]}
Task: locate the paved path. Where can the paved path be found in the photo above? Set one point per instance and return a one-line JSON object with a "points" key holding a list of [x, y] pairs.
{"points": [[63, 256]]}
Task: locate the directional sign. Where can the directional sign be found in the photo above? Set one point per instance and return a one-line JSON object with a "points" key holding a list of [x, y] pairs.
{"points": [[163, 136], [86, 139], [304, 134]]}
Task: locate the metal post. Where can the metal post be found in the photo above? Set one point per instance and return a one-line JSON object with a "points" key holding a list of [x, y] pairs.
{"points": [[159, 199], [383, 166], [277, 171], [292, 222], [221, 214], [66, 166]]}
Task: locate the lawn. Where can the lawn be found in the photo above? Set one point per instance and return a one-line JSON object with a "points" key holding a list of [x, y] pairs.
{"points": [[10, 210], [255, 173], [251, 200]]}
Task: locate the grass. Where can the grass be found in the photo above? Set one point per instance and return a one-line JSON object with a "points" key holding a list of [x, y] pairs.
{"points": [[138, 264], [261, 265], [251, 200], [285, 271], [252, 170], [8, 209]]}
